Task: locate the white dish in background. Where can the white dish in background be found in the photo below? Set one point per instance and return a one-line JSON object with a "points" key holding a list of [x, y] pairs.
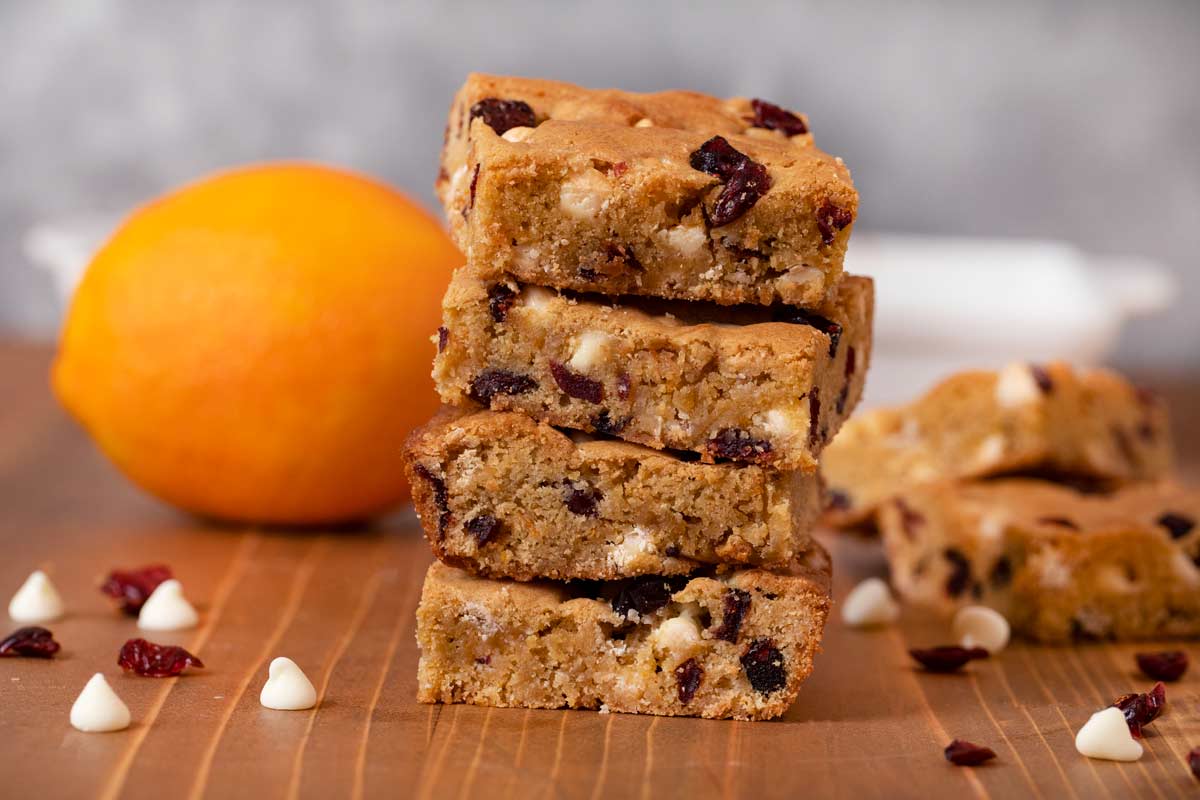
{"points": [[947, 304]]}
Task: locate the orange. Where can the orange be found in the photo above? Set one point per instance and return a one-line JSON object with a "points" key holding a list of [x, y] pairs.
{"points": [[255, 346]]}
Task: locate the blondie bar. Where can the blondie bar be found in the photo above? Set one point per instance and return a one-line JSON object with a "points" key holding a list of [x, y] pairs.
{"points": [[507, 103], [1085, 424], [756, 384], [1057, 562], [504, 496], [655, 211], [737, 644]]}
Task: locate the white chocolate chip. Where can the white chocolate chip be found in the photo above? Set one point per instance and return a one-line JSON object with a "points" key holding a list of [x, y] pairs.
{"points": [[588, 350], [537, 299], [802, 276], [36, 601], [635, 547], [687, 240], [1051, 569], [287, 687], [992, 525], [584, 195], [517, 134], [98, 709], [980, 626], [644, 122], [526, 256], [990, 451], [167, 609], [780, 423], [676, 639], [456, 180], [1106, 735], [869, 605], [1016, 387]]}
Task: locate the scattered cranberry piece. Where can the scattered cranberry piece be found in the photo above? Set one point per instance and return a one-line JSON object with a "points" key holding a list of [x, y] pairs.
{"points": [[1176, 524], [644, 594], [605, 424], [503, 115], [688, 676], [582, 500], [492, 382], [31, 642], [745, 179], [1194, 761], [733, 611], [830, 218], [737, 445], [152, 660], [960, 571], [500, 299], [825, 325], [440, 496], [763, 664], [968, 754], [483, 528], [1042, 378], [1142, 709], [131, 588], [1166, 666], [948, 658], [443, 337], [575, 385], [773, 117]]}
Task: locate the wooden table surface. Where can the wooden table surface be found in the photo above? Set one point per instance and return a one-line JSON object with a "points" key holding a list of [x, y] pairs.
{"points": [[341, 604]]}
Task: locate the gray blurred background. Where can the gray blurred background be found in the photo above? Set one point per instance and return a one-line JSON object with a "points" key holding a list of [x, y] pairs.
{"points": [[1077, 121]]}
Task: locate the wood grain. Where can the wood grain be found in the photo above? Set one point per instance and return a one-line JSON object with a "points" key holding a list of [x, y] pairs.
{"points": [[341, 604]]}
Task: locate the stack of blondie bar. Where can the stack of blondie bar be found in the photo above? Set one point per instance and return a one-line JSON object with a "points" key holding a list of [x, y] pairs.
{"points": [[649, 345], [1043, 491]]}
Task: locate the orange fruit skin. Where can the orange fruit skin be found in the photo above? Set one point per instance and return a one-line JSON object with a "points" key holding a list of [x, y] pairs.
{"points": [[255, 346]]}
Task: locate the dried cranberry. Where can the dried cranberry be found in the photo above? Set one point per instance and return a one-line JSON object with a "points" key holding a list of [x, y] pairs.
{"points": [[1194, 761], [1042, 378], [688, 676], [947, 658], [1001, 574], [644, 594], [745, 179], [440, 496], [1140, 709], [737, 445], [474, 183], [131, 588], [839, 500], [605, 424], [814, 418], [770, 116], [1176, 524], [484, 660], [483, 528], [733, 611], [152, 660], [31, 642], [910, 518], [492, 382], [500, 299], [830, 218], [575, 385], [763, 664], [844, 394], [503, 115], [1061, 522], [443, 337], [672, 551], [968, 754], [825, 325], [582, 500], [960, 571], [1166, 666]]}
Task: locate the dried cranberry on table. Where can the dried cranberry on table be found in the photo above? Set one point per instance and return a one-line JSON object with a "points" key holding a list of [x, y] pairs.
{"points": [[1194, 761], [948, 658], [1166, 666], [131, 588], [31, 642], [1142, 709], [968, 754], [152, 660]]}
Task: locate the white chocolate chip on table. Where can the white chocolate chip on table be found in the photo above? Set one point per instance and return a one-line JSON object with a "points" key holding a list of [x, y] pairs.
{"points": [[167, 609], [980, 626], [287, 687], [98, 709], [36, 601], [1106, 735], [870, 604]]}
